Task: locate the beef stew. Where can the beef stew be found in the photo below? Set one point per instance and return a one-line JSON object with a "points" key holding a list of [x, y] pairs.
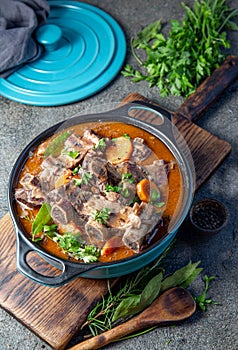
{"points": [[98, 192]]}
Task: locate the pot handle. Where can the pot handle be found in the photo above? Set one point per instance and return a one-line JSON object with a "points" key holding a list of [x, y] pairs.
{"points": [[156, 113], [68, 272], [156, 116]]}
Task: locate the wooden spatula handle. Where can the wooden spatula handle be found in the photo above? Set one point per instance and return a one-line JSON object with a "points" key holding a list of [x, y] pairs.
{"points": [[113, 334], [197, 104]]}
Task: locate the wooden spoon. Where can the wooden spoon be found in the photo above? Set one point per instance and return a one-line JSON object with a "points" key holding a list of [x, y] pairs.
{"points": [[176, 304]]}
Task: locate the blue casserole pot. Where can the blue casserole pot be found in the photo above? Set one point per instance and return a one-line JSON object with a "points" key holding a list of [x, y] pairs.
{"points": [[158, 123]]}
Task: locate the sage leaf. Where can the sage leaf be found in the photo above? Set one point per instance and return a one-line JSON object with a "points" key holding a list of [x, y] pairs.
{"points": [[56, 144], [126, 307], [180, 276], [42, 218]]}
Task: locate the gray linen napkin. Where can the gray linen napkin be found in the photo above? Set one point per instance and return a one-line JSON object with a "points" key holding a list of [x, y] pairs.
{"points": [[18, 21]]}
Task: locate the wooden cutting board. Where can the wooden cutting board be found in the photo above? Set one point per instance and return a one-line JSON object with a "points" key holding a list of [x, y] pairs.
{"points": [[56, 314]]}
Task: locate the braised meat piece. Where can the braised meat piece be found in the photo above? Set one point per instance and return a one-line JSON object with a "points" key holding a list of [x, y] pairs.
{"points": [[30, 198], [75, 149], [62, 212], [158, 171], [96, 166], [140, 150], [97, 233], [30, 194], [149, 219]]}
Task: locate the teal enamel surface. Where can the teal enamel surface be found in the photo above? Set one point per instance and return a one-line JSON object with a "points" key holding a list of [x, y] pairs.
{"points": [[84, 49]]}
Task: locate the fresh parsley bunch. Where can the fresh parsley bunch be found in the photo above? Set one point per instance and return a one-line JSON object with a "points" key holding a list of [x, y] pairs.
{"points": [[178, 64]]}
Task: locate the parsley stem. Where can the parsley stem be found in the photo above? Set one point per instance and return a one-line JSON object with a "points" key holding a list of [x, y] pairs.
{"points": [[134, 54]]}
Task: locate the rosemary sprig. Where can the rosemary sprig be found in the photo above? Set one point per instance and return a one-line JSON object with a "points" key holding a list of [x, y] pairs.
{"points": [[136, 292]]}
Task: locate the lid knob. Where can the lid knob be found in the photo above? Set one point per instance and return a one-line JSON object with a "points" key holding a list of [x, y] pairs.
{"points": [[49, 36]]}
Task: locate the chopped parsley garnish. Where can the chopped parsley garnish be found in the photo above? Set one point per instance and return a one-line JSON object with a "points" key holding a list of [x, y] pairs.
{"points": [[126, 136], [125, 193], [102, 216], [76, 170], [101, 145], [155, 198], [71, 154], [72, 244], [84, 180], [49, 230], [111, 188], [129, 177], [155, 195]]}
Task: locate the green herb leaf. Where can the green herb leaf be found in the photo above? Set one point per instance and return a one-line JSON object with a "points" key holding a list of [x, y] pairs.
{"points": [[101, 145], [55, 146], [127, 307], [76, 170], [155, 195], [77, 182], [72, 244], [72, 154], [129, 177], [192, 277], [86, 177], [151, 291], [180, 276], [202, 300], [102, 216], [49, 230], [111, 188], [193, 48], [147, 34], [136, 303], [126, 136], [42, 218]]}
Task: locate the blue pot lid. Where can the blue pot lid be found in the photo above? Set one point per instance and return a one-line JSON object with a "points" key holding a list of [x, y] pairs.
{"points": [[84, 49]]}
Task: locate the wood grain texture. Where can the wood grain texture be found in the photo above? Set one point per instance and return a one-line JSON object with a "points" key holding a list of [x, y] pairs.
{"points": [[55, 315], [210, 90], [176, 304]]}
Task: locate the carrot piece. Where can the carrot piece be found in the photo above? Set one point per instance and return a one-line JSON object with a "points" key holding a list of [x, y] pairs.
{"points": [[145, 189], [111, 245]]}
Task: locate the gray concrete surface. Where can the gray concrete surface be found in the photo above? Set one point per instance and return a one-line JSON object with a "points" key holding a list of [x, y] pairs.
{"points": [[217, 328]]}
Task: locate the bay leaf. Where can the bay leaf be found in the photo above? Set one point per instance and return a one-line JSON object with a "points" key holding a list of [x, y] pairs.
{"points": [[56, 144], [126, 307], [42, 218], [151, 291], [180, 276], [192, 277]]}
